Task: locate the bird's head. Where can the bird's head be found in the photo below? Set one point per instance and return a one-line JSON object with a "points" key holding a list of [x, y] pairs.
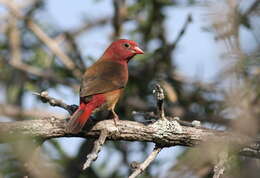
{"points": [[122, 50]]}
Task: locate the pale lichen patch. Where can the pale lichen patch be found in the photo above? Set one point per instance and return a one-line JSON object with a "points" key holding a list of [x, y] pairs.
{"points": [[165, 127]]}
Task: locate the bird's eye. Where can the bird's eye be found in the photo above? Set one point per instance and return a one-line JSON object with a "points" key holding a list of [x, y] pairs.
{"points": [[126, 45]]}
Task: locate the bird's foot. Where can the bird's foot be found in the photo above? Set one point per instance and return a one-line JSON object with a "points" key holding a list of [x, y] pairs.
{"points": [[114, 116]]}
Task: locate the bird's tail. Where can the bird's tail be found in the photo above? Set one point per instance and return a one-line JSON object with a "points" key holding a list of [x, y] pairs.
{"points": [[82, 114]]}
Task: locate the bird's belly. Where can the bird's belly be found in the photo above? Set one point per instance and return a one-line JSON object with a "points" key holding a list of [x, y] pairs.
{"points": [[112, 98]]}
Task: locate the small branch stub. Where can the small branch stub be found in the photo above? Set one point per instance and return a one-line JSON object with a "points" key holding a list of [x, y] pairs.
{"points": [[159, 95]]}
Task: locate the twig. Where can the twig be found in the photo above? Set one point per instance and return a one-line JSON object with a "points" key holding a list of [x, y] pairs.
{"points": [[219, 168], [97, 147], [139, 168], [159, 94], [181, 33], [88, 25], [44, 96]]}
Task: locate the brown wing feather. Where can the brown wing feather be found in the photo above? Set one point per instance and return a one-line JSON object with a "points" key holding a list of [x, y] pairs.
{"points": [[102, 77]]}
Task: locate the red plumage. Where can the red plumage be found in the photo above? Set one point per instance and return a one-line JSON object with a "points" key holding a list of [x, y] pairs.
{"points": [[103, 82]]}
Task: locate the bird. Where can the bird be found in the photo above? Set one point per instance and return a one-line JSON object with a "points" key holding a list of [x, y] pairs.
{"points": [[103, 83]]}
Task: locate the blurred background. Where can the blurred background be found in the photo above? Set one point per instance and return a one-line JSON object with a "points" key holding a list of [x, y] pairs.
{"points": [[204, 53]]}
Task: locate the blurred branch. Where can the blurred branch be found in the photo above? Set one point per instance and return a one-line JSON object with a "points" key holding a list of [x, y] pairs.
{"points": [[253, 6], [35, 164], [181, 33], [54, 47], [96, 149], [139, 168], [13, 111], [74, 48], [43, 74], [15, 41], [119, 13], [51, 44], [162, 132], [88, 25], [15, 45]]}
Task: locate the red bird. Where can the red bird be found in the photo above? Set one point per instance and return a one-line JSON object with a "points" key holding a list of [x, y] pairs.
{"points": [[103, 82]]}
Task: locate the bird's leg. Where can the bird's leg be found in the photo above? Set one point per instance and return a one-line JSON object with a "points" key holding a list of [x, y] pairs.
{"points": [[115, 117]]}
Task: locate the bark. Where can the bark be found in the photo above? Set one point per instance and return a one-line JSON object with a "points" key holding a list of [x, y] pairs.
{"points": [[162, 132]]}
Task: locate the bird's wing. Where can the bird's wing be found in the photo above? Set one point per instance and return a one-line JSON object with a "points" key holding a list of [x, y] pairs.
{"points": [[102, 77]]}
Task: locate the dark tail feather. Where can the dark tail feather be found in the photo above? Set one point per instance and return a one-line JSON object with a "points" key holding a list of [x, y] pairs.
{"points": [[79, 118]]}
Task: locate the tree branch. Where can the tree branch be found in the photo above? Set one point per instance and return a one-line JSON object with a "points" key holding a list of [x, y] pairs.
{"points": [[39, 33], [96, 149], [162, 132], [44, 97]]}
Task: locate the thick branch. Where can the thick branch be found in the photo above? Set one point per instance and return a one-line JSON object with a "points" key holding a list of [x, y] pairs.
{"points": [[162, 132]]}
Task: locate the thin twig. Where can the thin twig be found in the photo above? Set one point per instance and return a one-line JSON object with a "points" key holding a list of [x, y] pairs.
{"points": [[159, 94], [182, 32], [44, 96], [88, 25], [73, 47], [219, 168], [97, 147], [139, 168]]}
